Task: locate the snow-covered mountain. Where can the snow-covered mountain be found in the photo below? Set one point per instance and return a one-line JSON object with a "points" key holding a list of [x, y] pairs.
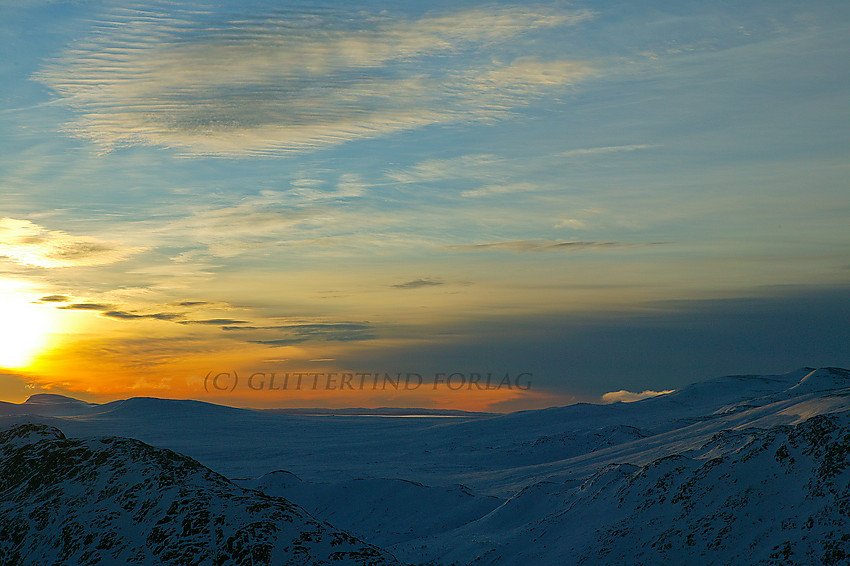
{"points": [[388, 511], [119, 501], [775, 496], [48, 404], [739, 469]]}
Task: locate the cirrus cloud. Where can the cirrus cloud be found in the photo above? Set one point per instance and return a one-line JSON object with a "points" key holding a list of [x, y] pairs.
{"points": [[272, 83], [289, 334], [27, 243], [522, 246], [417, 284]]}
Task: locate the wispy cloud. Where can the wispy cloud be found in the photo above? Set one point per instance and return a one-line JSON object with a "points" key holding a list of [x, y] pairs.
{"points": [[274, 83], [123, 315], [110, 310], [418, 283], [493, 167], [624, 396], [491, 190], [54, 299], [433, 170], [580, 220], [521, 246], [574, 223], [286, 334], [225, 231], [587, 151], [498, 89], [87, 307], [215, 321], [28, 243], [350, 185], [254, 225]]}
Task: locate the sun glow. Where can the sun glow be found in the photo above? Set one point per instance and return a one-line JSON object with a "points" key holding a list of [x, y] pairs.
{"points": [[24, 329]]}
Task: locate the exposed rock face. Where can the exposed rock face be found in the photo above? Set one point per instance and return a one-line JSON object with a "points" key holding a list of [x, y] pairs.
{"points": [[120, 501]]}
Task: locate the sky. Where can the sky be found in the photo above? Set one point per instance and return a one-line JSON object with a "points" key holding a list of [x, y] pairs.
{"points": [[395, 201]]}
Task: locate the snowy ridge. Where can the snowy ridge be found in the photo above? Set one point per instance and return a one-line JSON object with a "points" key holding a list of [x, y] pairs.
{"points": [[823, 380], [117, 500], [778, 496]]}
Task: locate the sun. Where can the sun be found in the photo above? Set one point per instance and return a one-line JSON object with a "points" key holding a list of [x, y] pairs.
{"points": [[24, 329]]}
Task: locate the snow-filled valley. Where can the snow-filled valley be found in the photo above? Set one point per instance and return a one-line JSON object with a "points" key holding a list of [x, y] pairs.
{"points": [[735, 470]]}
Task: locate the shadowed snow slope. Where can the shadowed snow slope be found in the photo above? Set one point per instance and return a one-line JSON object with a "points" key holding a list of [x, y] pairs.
{"points": [[739, 469], [388, 511], [778, 496], [117, 500]]}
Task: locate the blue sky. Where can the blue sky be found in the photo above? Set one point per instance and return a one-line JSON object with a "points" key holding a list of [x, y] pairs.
{"points": [[477, 185]]}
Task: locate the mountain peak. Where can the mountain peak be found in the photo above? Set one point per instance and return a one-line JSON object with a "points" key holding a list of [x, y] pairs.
{"points": [[52, 399], [180, 511], [29, 433]]}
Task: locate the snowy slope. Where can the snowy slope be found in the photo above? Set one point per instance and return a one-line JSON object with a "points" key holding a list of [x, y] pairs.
{"points": [[727, 470], [496, 454], [778, 496], [119, 501], [381, 509]]}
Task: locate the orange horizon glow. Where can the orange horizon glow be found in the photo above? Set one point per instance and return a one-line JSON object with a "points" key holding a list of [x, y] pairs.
{"points": [[81, 352], [247, 387], [95, 359]]}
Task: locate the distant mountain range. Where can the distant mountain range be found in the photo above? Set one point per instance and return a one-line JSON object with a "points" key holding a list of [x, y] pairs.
{"points": [[736, 470]]}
